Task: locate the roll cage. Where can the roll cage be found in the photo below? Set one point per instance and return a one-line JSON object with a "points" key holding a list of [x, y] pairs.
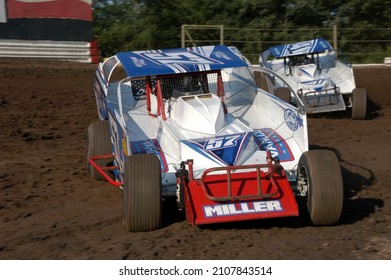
{"points": [[158, 89]]}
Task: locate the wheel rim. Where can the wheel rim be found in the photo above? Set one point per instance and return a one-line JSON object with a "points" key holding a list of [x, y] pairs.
{"points": [[302, 182]]}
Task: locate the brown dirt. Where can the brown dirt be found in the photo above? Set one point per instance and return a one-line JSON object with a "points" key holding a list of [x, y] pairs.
{"points": [[51, 209]]}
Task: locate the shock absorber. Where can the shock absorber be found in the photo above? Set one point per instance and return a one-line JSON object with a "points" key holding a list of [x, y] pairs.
{"points": [[182, 178]]}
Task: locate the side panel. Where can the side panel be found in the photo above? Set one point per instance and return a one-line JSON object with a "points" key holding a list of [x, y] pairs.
{"points": [[118, 138], [100, 96], [149, 146], [287, 119], [343, 76], [269, 140], [107, 112]]}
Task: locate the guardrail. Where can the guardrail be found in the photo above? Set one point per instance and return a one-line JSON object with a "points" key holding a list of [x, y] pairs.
{"points": [[86, 52]]}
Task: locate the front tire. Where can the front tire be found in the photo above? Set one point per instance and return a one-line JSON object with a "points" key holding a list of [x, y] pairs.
{"points": [[320, 174], [359, 103], [142, 199]]}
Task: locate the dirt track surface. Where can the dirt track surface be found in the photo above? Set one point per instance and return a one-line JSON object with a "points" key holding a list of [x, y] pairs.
{"points": [[51, 209]]}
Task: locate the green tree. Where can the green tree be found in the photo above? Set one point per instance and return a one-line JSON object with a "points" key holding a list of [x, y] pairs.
{"points": [[149, 24]]}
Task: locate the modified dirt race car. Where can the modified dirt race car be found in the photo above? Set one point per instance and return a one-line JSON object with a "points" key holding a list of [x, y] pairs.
{"points": [[313, 71], [191, 123]]}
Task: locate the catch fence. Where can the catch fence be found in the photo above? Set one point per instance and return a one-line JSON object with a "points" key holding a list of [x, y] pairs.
{"points": [[371, 45]]}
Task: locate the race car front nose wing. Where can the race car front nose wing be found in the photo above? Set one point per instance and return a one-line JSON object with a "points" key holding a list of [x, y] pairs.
{"points": [[234, 193]]}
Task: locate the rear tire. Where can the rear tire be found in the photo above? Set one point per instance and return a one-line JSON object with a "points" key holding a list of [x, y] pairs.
{"points": [[321, 173], [142, 198], [359, 103], [99, 143], [283, 93]]}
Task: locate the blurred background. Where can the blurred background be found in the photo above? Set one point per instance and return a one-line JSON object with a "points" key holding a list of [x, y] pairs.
{"points": [[361, 29]]}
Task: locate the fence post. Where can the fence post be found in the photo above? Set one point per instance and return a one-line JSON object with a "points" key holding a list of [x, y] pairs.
{"points": [[221, 34], [183, 35], [335, 36]]}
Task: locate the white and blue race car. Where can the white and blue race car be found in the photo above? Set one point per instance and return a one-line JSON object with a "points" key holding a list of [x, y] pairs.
{"points": [[191, 123], [315, 74]]}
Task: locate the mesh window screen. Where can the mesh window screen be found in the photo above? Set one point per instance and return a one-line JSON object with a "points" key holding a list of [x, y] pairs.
{"points": [[188, 85], [139, 88]]}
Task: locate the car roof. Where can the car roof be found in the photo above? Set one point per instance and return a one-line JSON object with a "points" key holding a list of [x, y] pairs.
{"points": [[180, 60], [299, 48]]}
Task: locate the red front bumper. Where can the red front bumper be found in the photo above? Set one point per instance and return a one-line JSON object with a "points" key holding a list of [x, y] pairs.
{"points": [[241, 193]]}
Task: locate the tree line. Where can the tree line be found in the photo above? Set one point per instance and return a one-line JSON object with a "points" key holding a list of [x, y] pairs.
{"points": [[121, 25]]}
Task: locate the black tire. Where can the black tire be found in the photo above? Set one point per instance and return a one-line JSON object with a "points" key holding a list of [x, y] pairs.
{"points": [[320, 172], [142, 196], [359, 103], [283, 93], [99, 143]]}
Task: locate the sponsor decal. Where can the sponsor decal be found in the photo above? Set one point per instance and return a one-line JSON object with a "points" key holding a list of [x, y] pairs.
{"points": [[222, 149], [124, 146], [222, 142], [300, 47], [316, 45], [292, 119], [269, 140], [219, 54], [231, 209], [150, 146], [179, 57], [138, 62]]}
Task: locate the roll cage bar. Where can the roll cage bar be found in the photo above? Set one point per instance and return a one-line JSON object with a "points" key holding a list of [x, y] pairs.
{"points": [[109, 67], [161, 97], [291, 61]]}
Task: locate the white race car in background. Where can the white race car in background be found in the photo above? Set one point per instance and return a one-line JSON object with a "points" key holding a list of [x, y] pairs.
{"points": [[313, 71], [191, 123]]}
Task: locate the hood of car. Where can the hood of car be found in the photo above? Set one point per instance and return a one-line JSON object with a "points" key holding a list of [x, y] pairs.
{"points": [[240, 148]]}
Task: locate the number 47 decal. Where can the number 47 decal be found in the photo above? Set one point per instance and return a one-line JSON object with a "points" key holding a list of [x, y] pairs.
{"points": [[222, 142]]}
